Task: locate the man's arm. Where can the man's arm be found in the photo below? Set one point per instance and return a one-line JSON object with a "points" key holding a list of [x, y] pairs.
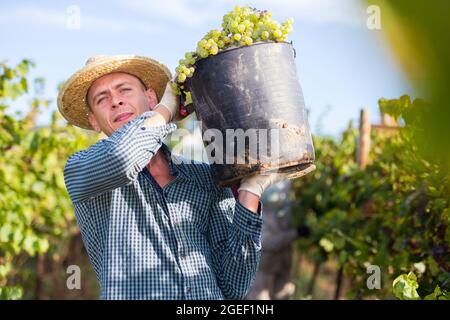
{"points": [[235, 237], [249, 200], [116, 161]]}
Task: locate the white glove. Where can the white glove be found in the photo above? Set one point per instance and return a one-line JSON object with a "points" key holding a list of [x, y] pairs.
{"points": [[257, 184], [171, 102]]}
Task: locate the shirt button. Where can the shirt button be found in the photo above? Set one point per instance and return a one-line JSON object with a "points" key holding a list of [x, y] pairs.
{"points": [[142, 128], [249, 222], [188, 290]]}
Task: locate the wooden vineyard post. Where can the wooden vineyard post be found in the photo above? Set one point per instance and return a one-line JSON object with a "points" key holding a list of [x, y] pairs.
{"points": [[362, 156], [387, 120]]}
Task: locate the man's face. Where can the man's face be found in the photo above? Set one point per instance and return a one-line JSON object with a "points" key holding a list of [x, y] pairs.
{"points": [[117, 98]]}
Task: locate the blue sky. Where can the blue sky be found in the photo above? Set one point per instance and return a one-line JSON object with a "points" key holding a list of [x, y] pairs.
{"points": [[343, 66]]}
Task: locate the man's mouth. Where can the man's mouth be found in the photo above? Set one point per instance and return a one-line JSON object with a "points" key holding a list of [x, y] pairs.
{"points": [[123, 116]]}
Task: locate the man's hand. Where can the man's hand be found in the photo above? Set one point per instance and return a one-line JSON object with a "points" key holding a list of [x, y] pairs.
{"points": [[170, 102], [257, 184], [251, 189]]}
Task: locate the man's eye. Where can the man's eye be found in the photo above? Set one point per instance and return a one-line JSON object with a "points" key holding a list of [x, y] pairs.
{"points": [[100, 100], [126, 89]]}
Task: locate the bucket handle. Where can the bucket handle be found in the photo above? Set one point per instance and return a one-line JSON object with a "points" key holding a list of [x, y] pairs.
{"points": [[293, 49]]}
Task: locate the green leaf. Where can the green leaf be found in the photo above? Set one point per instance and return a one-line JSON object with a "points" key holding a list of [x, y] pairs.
{"points": [[34, 143], [405, 287], [42, 246], [23, 67], [24, 84], [11, 293], [10, 73], [326, 244]]}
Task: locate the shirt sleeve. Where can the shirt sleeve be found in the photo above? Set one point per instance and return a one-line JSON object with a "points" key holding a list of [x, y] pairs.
{"points": [[235, 237], [116, 161]]}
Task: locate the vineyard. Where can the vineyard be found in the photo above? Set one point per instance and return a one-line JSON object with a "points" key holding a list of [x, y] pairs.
{"points": [[392, 213], [37, 223]]}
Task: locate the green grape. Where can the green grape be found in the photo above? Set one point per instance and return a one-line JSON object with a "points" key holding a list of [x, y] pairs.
{"points": [[287, 30], [181, 77], [203, 53], [247, 40], [242, 26], [207, 45], [186, 70], [248, 33], [188, 98], [246, 11], [254, 17], [214, 50], [175, 88], [277, 33]]}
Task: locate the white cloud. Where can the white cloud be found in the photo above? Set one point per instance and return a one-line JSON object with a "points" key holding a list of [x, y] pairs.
{"points": [[192, 13], [343, 12], [180, 11], [32, 15]]}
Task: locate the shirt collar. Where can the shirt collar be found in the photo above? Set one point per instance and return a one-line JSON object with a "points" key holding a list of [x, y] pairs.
{"points": [[182, 167], [176, 168]]}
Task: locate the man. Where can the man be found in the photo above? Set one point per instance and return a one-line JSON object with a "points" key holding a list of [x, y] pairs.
{"points": [[154, 228]]}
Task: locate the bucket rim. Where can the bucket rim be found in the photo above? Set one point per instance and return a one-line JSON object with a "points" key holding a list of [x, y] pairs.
{"points": [[290, 43], [246, 46]]}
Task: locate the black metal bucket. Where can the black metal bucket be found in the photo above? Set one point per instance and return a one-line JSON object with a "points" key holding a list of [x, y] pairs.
{"points": [[253, 87]]}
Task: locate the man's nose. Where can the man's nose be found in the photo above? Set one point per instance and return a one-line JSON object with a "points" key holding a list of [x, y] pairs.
{"points": [[116, 101]]}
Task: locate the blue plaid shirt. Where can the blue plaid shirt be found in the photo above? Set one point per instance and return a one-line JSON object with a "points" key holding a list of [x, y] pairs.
{"points": [[188, 240]]}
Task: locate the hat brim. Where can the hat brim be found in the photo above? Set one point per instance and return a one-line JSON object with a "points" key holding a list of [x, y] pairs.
{"points": [[72, 97]]}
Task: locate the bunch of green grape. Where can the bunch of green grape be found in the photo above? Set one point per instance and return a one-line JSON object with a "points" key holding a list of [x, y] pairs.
{"points": [[241, 27]]}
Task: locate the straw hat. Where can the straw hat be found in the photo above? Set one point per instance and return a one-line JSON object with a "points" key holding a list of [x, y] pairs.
{"points": [[72, 101]]}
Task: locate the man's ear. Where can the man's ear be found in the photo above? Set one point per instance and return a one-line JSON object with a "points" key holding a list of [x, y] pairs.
{"points": [[152, 98], [93, 122]]}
